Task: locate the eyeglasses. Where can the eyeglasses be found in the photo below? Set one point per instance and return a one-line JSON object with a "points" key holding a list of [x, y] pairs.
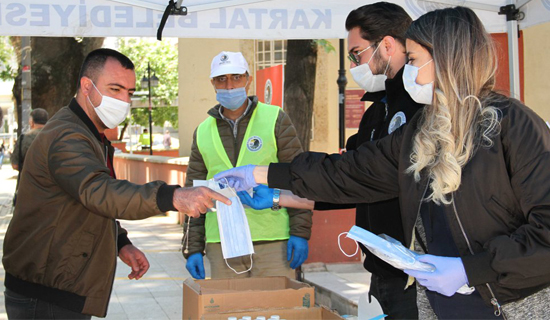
{"points": [[354, 57], [234, 77]]}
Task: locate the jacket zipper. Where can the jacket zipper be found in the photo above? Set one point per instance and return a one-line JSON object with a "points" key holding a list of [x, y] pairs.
{"points": [[114, 271], [235, 133], [418, 211], [496, 305], [116, 238]]}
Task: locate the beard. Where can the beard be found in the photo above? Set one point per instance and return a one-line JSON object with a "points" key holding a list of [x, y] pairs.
{"points": [[380, 65]]}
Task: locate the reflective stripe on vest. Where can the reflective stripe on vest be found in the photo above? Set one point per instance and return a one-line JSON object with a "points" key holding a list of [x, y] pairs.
{"points": [[259, 147]]}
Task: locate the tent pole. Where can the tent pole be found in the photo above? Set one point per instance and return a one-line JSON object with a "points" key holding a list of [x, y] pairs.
{"points": [[26, 84], [512, 15], [342, 82]]}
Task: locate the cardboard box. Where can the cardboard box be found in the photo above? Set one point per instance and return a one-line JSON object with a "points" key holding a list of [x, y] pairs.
{"points": [[202, 297], [314, 313]]}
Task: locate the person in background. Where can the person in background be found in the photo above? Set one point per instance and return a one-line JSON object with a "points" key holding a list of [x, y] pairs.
{"points": [[167, 140], [2, 151], [471, 170], [145, 140], [376, 48], [62, 242], [37, 119], [241, 130]]}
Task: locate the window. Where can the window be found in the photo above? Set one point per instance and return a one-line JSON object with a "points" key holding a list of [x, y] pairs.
{"points": [[270, 53]]}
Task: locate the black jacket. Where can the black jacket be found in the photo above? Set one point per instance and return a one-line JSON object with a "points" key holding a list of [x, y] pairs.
{"points": [[393, 106], [500, 216]]}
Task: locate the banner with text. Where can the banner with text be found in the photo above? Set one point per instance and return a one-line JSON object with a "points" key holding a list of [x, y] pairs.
{"points": [[281, 19]]}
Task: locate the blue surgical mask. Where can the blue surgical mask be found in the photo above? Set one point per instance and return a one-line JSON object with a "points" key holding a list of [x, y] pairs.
{"points": [[231, 99]]}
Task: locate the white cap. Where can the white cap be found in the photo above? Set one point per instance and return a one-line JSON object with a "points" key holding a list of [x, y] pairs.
{"points": [[228, 63]]}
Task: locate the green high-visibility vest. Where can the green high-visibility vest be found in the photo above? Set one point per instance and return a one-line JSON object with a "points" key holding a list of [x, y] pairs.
{"points": [[259, 147]]}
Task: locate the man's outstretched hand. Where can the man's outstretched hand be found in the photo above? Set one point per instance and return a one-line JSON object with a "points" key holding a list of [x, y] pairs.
{"points": [[196, 200]]}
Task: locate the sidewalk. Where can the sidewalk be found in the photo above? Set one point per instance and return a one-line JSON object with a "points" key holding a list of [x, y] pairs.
{"points": [[158, 295]]}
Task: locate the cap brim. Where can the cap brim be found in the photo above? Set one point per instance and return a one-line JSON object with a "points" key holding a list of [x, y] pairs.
{"points": [[227, 70]]}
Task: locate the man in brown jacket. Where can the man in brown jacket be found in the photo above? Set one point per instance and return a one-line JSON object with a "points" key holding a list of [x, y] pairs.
{"points": [[61, 245], [240, 130]]}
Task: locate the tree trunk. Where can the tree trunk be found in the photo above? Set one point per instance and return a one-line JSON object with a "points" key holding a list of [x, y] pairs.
{"points": [[299, 87], [122, 131], [55, 69]]}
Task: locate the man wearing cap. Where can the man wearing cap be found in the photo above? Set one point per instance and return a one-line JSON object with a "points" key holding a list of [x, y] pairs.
{"points": [[241, 130]]}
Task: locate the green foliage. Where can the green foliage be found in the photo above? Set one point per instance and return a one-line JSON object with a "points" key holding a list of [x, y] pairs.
{"points": [[325, 44], [159, 116], [7, 59], [163, 57]]}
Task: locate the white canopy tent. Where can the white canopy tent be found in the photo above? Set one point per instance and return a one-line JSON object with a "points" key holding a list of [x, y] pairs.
{"points": [[242, 19]]}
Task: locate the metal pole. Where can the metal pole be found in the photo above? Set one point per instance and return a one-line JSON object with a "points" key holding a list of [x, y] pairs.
{"points": [[513, 58], [342, 82], [150, 109], [26, 84], [512, 15]]}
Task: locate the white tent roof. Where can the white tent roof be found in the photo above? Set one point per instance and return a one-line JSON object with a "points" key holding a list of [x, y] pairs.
{"points": [[244, 19]]}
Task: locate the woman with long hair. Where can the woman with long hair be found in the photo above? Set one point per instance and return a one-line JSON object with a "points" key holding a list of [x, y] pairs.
{"points": [[471, 171]]}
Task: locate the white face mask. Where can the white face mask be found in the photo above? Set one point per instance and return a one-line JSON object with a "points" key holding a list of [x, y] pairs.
{"points": [[363, 76], [111, 111], [422, 94], [235, 237]]}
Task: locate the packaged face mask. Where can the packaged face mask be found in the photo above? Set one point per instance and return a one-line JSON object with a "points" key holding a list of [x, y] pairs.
{"points": [[235, 237], [392, 251]]}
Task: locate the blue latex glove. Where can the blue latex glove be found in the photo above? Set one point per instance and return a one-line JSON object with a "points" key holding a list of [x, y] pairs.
{"points": [[297, 249], [239, 178], [448, 277], [195, 265], [263, 197]]}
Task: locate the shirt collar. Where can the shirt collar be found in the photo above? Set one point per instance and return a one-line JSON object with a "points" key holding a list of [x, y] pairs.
{"points": [[77, 109], [239, 118]]}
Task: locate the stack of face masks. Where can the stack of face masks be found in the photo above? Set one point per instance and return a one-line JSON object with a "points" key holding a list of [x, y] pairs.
{"points": [[388, 249], [235, 237], [393, 252]]}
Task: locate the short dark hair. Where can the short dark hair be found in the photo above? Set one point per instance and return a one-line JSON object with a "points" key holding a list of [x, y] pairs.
{"points": [[95, 60], [378, 20], [39, 116]]}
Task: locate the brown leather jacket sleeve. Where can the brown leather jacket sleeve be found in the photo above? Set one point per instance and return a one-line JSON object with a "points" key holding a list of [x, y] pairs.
{"points": [[288, 147], [194, 240]]}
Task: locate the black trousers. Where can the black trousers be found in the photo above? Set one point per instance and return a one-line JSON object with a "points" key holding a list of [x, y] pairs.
{"points": [[395, 301]]}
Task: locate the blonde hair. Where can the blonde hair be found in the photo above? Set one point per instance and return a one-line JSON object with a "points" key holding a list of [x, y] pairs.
{"points": [[461, 117]]}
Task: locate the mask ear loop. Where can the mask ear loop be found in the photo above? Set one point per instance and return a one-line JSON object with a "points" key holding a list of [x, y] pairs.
{"points": [[340, 247], [241, 272], [387, 66]]}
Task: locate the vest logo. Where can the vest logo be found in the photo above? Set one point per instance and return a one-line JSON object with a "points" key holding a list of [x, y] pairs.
{"points": [[397, 121], [254, 143]]}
